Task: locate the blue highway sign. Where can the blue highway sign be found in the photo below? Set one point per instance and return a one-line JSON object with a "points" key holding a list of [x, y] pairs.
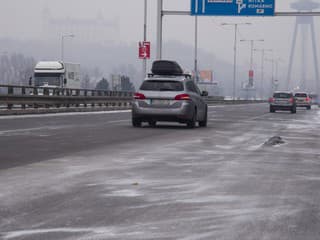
{"points": [[233, 7]]}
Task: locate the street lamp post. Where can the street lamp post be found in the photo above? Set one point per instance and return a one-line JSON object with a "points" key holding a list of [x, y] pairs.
{"points": [[196, 50], [263, 51], [159, 28], [277, 60], [235, 54], [272, 74], [251, 49], [251, 77], [62, 44], [144, 64]]}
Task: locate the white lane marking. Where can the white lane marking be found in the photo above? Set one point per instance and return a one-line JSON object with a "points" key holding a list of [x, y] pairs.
{"points": [[239, 120], [29, 130], [63, 114], [33, 130], [16, 234], [217, 106], [231, 105], [118, 121]]}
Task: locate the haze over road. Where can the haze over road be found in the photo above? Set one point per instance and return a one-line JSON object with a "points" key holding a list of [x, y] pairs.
{"points": [[93, 176]]}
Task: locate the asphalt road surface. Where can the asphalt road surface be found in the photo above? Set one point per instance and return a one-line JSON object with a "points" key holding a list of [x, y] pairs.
{"points": [[93, 176]]}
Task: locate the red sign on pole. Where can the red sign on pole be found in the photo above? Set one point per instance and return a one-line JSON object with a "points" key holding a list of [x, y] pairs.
{"points": [[144, 50], [251, 73]]}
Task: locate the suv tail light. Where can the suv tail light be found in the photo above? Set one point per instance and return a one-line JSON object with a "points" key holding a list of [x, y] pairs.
{"points": [[308, 99], [139, 96], [182, 97], [291, 100], [271, 100]]}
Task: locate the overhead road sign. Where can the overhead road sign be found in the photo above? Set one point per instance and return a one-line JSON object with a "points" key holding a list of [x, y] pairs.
{"points": [[233, 7]]}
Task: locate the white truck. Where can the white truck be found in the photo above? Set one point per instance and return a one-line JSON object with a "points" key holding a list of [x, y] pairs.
{"points": [[53, 74]]}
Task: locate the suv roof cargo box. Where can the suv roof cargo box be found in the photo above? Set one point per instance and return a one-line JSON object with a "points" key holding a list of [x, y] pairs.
{"points": [[165, 67]]}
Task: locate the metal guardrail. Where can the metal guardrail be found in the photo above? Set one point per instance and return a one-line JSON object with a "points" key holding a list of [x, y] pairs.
{"points": [[16, 99], [221, 100], [14, 96]]}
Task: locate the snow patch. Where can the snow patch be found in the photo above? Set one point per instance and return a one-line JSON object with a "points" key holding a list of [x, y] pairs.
{"points": [[124, 193]]}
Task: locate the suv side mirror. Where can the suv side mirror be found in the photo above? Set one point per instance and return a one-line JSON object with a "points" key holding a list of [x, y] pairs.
{"points": [[204, 94]]}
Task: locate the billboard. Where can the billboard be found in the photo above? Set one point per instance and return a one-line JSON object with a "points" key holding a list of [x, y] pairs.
{"points": [[206, 76]]}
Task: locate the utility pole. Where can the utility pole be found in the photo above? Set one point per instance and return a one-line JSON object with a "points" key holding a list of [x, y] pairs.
{"points": [[144, 64], [251, 84], [263, 51], [252, 41], [272, 75], [196, 50], [277, 60], [159, 29], [235, 55]]}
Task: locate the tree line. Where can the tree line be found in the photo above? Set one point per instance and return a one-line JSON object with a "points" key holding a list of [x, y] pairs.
{"points": [[17, 69]]}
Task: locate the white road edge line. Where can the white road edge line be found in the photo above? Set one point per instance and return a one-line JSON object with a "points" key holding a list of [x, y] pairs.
{"points": [[63, 114]]}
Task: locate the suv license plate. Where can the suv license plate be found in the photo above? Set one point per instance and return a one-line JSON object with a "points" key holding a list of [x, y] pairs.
{"points": [[160, 102]]}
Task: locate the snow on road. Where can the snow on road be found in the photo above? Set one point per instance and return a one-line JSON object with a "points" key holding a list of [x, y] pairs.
{"points": [[214, 184]]}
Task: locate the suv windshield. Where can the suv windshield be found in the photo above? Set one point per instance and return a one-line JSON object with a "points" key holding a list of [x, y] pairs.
{"points": [[304, 95], [160, 85], [282, 95]]}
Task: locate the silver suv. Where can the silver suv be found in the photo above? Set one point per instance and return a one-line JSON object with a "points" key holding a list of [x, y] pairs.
{"points": [[283, 101], [303, 100], [170, 98]]}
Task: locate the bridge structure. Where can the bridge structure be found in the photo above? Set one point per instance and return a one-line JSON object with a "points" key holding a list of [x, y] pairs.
{"points": [[304, 24]]}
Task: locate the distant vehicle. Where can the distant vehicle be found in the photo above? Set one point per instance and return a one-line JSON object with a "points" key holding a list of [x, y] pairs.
{"points": [[283, 101], [171, 96], [53, 74], [303, 100], [314, 98]]}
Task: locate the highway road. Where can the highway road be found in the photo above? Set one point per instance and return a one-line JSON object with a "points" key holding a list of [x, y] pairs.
{"points": [[93, 176]]}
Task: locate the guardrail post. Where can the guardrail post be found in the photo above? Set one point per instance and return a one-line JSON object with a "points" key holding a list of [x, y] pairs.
{"points": [[93, 94], [68, 94], [77, 94], [85, 93], [100, 94], [35, 91], [10, 92], [23, 92]]}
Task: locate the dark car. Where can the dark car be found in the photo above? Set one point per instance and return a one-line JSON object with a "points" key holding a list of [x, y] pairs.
{"points": [[284, 101]]}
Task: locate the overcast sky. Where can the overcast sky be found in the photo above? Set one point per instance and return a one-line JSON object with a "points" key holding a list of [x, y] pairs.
{"points": [[22, 19]]}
